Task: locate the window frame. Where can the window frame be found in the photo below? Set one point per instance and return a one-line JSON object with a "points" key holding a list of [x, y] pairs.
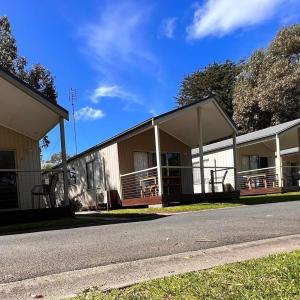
{"points": [[90, 187]]}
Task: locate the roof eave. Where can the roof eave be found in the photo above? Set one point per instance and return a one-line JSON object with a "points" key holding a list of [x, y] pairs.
{"points": [[15, 81]]}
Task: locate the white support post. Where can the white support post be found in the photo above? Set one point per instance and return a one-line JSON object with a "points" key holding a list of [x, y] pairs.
{"points": [[236, 186], [200, 145], [158, 159], [278, 161], [64, 160]]}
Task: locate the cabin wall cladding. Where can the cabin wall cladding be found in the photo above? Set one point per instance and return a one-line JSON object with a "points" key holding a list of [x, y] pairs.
{"points": [[104, 158], [27, 156], [222, 158]]}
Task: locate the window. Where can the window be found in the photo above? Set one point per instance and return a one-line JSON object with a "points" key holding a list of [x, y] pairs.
{"points": [[7, 160], [72, 176], [167, 159], [140, 160], [94, 174], [172, 160], [90, 175], [252, 162]]}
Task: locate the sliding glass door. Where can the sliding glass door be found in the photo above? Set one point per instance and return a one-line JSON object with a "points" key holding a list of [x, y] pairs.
{"points": [[8, 180]]}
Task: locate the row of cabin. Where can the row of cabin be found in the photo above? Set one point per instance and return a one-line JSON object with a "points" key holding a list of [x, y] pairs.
{"points": [[187, 154]]}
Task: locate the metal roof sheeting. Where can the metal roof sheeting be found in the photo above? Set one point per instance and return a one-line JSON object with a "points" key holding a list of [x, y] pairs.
{"points": [[252, 136]]}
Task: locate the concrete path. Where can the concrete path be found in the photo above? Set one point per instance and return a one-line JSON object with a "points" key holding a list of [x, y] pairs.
{"points": [[60, 286]]}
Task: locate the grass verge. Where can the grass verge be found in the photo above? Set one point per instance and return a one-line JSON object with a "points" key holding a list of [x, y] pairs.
{"points": [[244, 200], [172, 209], [273, 277], [271, 198]]}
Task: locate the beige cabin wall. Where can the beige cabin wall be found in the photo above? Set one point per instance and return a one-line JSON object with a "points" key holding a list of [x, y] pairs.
{"points": [[27, 156], [225, 157], [80, 191]]}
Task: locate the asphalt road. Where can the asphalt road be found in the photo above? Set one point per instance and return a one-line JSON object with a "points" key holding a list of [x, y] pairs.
{"points": [[35, 254]]}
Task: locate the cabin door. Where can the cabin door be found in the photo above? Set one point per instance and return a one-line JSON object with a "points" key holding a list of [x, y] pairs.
{"points": [[8, 180]]}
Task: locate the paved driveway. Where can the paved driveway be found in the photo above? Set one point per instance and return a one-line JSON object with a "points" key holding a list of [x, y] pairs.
{"points": [[35, 254]]}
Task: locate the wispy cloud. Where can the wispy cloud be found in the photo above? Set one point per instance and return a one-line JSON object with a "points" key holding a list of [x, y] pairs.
{"points": [[88, 114], [168, 27], [111, 91], [117, 38], [220, 17]]}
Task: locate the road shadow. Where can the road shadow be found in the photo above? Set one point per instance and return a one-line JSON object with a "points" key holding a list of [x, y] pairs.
{"points": [[86, 220]]}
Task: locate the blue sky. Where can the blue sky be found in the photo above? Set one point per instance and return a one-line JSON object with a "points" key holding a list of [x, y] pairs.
{"points": [[126, 59]]}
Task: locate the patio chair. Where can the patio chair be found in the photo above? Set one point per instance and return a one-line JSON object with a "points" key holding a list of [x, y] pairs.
{"points": [[222, 180], [47, 190]]}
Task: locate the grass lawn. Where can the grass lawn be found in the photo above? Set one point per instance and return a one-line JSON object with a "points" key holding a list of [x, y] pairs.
{"points": [[273, 277], [244, 200], [271, 198], [173, 209]]}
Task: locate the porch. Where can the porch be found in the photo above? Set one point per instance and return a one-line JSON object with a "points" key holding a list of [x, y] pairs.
{"points": [[141, 187], [26, 117], [156, 164], [265, 181], [271, 165]]}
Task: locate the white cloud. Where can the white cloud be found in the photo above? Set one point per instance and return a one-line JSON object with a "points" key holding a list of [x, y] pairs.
{"points": [[219, 17], [129, 100], [111, 91], [117, 39], [88, 113], [168, 27]]}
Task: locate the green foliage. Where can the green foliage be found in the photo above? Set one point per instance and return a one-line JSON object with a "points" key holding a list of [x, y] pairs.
{"points": [[273, 277], [267, 92], [215, 80], [8, 47], [55, 159], [37, 77], [42, 80]]}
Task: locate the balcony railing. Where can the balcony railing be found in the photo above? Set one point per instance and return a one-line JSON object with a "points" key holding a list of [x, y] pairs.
{"points": [[176, 180], [258, 178], [30, 189], [268, 178]]}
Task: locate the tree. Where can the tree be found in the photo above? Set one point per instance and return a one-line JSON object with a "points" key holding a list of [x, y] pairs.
{"points": [[267, 92], [55, 159], [8, 47], [214, 80], [37, 77]]}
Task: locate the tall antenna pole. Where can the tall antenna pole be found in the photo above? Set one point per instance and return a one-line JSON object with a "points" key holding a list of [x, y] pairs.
{"points": [[73, 100]]}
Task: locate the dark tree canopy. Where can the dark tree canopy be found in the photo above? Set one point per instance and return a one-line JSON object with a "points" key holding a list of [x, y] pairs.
{"points": [[37, 76], [214, 80]]}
